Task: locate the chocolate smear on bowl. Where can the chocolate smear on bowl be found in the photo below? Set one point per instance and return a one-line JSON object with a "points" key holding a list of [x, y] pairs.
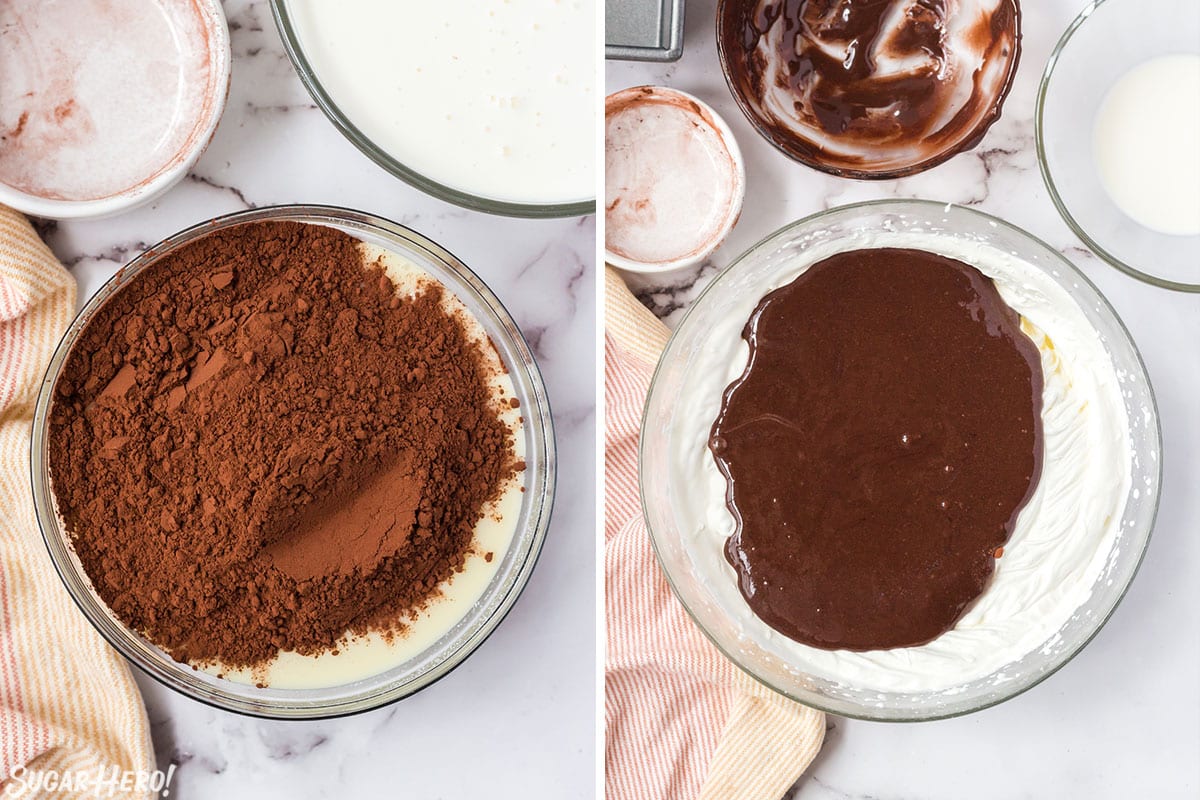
{"points": [[870, 88], [258, 445], [878, 448]]}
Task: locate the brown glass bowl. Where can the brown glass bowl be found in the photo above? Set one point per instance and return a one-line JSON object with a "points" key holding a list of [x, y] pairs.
{"points": [[731, 17]]}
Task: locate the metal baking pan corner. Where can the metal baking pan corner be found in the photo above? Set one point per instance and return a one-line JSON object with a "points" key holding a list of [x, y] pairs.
{"points": [[643, 30]]}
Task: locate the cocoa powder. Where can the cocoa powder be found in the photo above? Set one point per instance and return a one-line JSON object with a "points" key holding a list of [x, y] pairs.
{"points": [[257, 445]]}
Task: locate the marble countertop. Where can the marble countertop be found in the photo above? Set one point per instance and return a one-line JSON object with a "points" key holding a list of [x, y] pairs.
{"points": [[516, 720], [1123, 718]]}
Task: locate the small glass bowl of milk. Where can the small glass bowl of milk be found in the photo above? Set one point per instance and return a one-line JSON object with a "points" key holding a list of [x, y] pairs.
{"points": [[1118, 136], [487, 104]]}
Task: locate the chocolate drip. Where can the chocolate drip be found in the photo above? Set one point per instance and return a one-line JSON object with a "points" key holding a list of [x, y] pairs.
{"points": [[878, 448]]}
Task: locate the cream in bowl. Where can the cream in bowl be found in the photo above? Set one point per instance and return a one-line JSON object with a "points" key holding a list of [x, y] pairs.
{"points": [[1151, 117], [1117, 128], [105, 105], [488, 105]]}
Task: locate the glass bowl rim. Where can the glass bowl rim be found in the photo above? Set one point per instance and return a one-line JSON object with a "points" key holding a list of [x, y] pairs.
{"points": [[1039, 135], [308, 76], [812, 699], [542, 487]]}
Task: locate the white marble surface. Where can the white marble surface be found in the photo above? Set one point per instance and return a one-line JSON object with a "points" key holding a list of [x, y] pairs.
{"points": [[516, 720], [1123, 719]]}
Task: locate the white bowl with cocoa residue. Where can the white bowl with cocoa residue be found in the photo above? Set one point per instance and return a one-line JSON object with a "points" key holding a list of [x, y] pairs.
{"points": [[674, 179], [106, 104]]}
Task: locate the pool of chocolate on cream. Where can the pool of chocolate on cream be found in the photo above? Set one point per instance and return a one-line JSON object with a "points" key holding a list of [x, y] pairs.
{"points": [[1063, 536]]}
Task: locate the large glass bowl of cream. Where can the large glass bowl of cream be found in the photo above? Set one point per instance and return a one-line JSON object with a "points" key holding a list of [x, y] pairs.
{"points": [[365, 671], [490, 106], [1076, 545]]}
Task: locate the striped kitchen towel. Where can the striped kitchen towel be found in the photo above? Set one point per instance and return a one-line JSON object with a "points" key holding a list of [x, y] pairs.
{"points": [[681, 720], [69, 709]]}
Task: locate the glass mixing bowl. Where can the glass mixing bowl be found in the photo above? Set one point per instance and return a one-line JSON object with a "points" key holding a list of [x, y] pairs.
{"points": [[409, 173], [479, 621], [1107, 40], [663, 492]]}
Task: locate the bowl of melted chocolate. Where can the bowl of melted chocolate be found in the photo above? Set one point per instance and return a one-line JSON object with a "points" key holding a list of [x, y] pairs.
{"points": [[900, 461], [870, 89]]}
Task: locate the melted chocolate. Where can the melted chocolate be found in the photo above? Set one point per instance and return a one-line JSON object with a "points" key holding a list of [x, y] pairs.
{"points": [[870, 88], [878, 448]]}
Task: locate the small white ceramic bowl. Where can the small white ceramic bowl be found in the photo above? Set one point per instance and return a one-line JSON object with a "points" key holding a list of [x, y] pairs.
{"points": [[122, 116], [674, 179]]}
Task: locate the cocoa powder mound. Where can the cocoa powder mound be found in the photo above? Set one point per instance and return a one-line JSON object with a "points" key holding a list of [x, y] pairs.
{"points": [[257, 445]]}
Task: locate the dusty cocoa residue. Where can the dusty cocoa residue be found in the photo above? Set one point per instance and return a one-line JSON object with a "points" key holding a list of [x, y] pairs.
{"points": [[257, 445], [64, 110], [21, 122]]}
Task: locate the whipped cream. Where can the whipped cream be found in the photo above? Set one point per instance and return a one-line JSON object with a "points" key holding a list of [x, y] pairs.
{"points": [[1063, 537]]}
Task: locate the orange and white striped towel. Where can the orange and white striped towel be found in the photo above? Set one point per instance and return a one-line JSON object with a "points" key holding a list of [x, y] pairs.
{"points": [[681, 720], [67, 701]]}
